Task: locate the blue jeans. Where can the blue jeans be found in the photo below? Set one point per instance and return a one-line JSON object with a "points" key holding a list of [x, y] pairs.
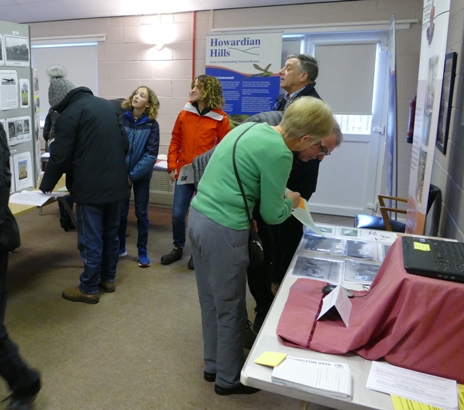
{"points": [[182, 196], [141, 197], [97, 241]]}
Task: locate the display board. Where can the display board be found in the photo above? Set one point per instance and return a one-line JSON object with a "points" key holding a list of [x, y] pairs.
{"points": [[19, 105]]}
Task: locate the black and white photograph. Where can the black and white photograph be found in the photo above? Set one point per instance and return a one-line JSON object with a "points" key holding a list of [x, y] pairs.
{"points": [[19, 130], [332, 246], [17, 51], [360, 271], [2, 58], [360, 249], [316, 268]]}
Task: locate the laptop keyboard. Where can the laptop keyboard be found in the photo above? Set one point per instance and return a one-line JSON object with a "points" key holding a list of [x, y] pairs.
{"points": [[449, 256]]}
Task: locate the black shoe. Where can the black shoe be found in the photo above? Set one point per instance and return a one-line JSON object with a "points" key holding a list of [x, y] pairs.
{"points": [[67, 224], [24, 402], [209, 377], [242, 389], [190, 264], [258, 322], [175, 255], [249, 336]]}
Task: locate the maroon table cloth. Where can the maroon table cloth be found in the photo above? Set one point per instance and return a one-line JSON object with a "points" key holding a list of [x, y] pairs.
{"points": [[411, 321]]}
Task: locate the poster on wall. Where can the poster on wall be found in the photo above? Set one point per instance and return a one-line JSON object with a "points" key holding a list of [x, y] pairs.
{"points": [[24, 92], [18, 130], [432, 56], [247, 65], [17, 51], [22, 165], [8, 90]]}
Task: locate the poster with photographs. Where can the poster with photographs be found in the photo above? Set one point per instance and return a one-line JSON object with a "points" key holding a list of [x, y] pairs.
{"points": [[17, 51], [35, 90], [19, 130], [22, 164], [360, 271], [24, 91], [319, 269], [2, 52], [9, 98]]}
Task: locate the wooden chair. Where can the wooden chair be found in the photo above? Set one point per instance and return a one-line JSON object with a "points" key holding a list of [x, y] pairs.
{"points": [[384, 222]]}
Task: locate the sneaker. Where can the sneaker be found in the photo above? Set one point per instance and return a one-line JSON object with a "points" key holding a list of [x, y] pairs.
{"points": [[249, 336], [122, 252], [190, 264], [173, 256], [144, 260], [23, 402], [75, 295]]}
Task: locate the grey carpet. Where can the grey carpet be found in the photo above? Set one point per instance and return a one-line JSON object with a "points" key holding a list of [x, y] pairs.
{"points": [[139, 348]]}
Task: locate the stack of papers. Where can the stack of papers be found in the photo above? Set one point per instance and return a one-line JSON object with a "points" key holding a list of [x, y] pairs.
{"points": [[35, 198], [315, 376]]}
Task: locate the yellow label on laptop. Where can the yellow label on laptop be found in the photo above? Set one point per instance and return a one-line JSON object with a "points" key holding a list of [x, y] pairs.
{"points": [[422, 246]]}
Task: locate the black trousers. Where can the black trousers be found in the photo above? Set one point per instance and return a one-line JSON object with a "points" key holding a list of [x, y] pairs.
{"points": [[259, 278], [13, 369], [279, 245]]}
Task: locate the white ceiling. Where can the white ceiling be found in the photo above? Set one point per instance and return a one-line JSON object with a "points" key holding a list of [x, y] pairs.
{"points": [[32, 11]]}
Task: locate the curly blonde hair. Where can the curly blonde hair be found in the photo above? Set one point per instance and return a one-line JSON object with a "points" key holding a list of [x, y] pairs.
{"points": [[211, 91], [152, 109]]}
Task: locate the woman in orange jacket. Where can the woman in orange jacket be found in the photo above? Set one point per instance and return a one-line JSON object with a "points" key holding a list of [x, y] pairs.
{"points": [[200, 126]]}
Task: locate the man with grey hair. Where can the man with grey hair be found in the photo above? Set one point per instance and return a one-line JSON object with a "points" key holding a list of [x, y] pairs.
{"points": [[297, 78]]}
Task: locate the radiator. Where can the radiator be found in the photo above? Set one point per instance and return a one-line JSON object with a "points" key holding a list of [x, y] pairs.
{"points": [[161, 189]]}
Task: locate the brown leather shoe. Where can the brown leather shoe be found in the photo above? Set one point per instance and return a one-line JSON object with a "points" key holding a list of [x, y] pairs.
{"points": [[108, 287], [75, 295]]}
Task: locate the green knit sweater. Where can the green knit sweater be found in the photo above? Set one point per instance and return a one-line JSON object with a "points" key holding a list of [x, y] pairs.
{"points": [[263, 162]]}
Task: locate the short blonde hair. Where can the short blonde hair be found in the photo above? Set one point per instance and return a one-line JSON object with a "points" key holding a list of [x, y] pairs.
{"points": [[308, 116]]}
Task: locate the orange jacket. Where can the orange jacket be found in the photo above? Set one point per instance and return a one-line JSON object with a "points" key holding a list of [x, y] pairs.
{"points": [[194, 134]]}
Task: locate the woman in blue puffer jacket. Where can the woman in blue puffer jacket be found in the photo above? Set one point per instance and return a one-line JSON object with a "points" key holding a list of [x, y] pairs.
{"points": [[142, 130]]}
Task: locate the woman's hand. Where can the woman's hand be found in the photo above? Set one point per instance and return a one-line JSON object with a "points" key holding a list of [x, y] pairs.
{"points": [[172, 176], [295, 197]]}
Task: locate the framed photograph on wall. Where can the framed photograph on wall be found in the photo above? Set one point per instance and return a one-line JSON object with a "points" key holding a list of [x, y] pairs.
{"points": [[449, 73], [2, 58]]}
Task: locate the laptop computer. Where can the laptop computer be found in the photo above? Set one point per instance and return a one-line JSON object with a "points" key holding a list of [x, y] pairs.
{"points": [[434, 258]]}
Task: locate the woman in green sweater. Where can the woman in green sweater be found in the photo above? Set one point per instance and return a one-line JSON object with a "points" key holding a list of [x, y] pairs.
{"points": [[219, 227]]}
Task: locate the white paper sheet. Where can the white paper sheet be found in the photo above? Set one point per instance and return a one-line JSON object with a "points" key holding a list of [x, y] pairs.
{"points": [[421, 387]]}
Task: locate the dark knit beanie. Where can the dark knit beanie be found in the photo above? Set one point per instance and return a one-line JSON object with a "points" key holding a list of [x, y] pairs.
{"points": [[59, 85]]}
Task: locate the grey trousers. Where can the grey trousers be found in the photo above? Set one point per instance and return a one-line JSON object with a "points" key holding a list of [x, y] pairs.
{"points": [[220, 256]]}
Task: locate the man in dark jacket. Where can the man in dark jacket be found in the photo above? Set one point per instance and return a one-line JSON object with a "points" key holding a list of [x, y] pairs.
{"points": [[22, 381], [90, 147]]}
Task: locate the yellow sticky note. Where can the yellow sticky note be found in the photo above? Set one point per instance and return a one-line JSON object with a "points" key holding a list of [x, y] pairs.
{"points": [[271, 359], [422, 246]]}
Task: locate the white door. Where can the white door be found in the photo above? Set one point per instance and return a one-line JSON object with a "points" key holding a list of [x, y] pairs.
{"points": [[352, 80]]}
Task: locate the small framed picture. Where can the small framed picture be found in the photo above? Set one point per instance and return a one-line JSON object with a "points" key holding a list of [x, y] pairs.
{"points": [[449, 72]]}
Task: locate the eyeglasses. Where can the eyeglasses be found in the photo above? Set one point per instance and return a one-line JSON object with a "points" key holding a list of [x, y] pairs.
{"points": [[323, 150]]}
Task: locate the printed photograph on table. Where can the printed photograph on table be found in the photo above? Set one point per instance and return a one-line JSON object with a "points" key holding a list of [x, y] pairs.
{"points": [[351, 232], [316, 268], [332, 246], [17, 51], [361, 249], [360, 271]]}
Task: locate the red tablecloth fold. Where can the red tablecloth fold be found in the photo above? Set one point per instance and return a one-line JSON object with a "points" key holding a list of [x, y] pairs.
{"points": [[411, 321]]}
